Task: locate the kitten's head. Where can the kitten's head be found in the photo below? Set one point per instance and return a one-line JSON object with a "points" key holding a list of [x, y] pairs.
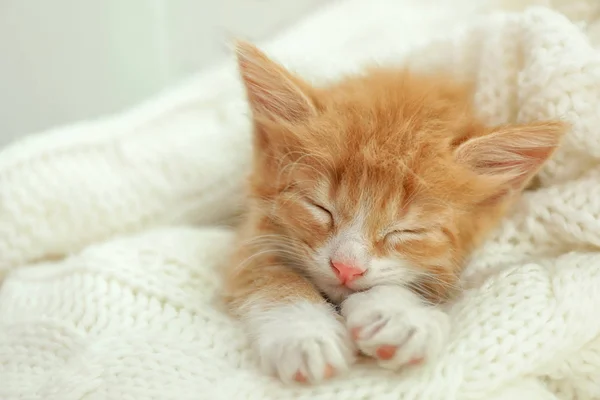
{"points": [[382, 179]]}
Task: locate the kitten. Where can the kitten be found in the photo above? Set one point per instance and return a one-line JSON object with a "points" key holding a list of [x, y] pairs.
{"points": [[369, 193]]}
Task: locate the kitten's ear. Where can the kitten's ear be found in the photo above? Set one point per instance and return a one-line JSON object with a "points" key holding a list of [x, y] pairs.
{"points": [[512, 154], [273, 92]]}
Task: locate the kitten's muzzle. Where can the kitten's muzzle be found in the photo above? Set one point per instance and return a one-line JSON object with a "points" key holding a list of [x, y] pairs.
{"points": [[346, 273]]}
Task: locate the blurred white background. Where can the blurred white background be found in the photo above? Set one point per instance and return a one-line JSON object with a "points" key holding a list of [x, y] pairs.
{"points": [[67, 60]]}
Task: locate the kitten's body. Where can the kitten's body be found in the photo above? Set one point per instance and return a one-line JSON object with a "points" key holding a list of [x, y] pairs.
{"points": [[370, 192]]}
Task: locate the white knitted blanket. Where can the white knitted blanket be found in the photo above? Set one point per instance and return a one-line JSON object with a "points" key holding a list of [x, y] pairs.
{"points": [[110, 290]]}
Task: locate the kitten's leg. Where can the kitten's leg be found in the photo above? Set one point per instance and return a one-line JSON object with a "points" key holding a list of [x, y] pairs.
{"points": [[394, 325], [296, 333]]}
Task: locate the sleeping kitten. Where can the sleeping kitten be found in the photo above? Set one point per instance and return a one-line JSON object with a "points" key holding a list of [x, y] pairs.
{"points": [[369, 193]]}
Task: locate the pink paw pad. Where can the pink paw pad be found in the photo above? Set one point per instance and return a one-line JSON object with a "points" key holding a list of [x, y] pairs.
{"points": [[299, 377], [327, 373], [386, 352]]}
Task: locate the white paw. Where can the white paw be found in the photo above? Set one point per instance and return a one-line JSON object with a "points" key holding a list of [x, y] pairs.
{"points": [[393, 325], [302, 342]]}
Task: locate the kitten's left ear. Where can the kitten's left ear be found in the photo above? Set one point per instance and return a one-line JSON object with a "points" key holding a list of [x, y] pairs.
{"points": [[512, 155], [273, 92]]}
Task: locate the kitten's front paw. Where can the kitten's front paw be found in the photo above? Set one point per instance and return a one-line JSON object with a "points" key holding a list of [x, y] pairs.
{"points": [[302, 342], [394, 326]]}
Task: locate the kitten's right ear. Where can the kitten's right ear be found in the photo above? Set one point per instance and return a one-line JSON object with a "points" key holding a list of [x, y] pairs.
{"points": [[273, 92]]}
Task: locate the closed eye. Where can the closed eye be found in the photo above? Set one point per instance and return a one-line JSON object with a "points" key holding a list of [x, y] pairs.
{"points": [[405, 234], [320, 212]]}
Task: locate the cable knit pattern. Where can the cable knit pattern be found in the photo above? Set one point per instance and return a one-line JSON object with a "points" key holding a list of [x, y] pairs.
{"points": [[111, 289]]}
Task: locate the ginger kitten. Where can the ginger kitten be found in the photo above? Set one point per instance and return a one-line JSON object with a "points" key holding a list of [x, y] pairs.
{"points": [[369, 193]]}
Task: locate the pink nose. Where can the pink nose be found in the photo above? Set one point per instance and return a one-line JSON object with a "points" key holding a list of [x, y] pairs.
{"points": [[346, 273]]}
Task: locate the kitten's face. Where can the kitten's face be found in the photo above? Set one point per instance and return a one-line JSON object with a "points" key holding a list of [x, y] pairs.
{"points": [[385, 179], [392, 209], [391, 226]]}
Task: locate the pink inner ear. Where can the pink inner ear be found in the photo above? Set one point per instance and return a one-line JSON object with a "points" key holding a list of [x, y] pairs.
{"points": [[525, 160], [511, 156], [517, 171], [534, 156], [273, 92], [524, 165]]}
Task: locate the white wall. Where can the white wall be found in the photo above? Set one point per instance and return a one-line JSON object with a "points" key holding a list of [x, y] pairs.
{"points": [[65, 60]]}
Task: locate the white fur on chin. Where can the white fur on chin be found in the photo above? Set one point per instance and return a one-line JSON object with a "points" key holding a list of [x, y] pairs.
{"points": [[395, 316], [300, 337]]}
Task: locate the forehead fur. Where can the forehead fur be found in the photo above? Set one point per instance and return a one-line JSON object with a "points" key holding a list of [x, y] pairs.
{"points": [[389, 133]]}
